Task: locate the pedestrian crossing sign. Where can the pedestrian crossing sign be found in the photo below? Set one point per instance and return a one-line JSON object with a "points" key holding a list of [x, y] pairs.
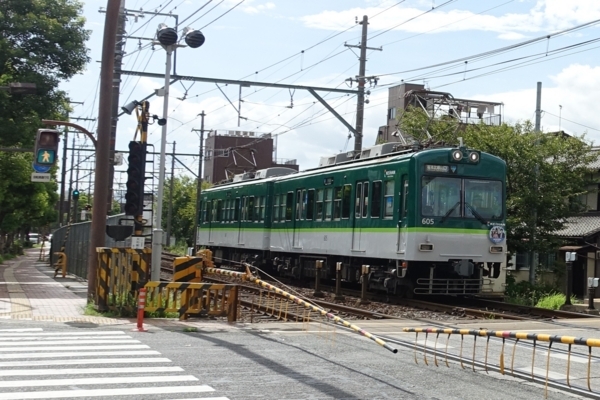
{"points": [[45, 157]]}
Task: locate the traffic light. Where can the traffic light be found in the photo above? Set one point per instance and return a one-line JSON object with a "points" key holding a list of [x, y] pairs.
{"points": [[46, 146], [134, 198], [75, 194]]}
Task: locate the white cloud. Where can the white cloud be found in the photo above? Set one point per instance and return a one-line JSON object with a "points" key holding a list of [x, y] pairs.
{"points": [[546, 15]]}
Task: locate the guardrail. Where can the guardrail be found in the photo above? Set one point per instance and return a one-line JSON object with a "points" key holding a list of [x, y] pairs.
{"points": [[518, 337]]}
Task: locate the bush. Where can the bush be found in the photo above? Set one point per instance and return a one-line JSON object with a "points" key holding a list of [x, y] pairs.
{"points": [[524, 293]]}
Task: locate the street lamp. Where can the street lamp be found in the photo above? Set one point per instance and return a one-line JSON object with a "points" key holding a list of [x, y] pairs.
{"points": [[167, 37]]}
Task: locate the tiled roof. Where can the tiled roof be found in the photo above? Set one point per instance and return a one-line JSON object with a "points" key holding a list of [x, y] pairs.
{"points": [[580, 226], [595, 164]]}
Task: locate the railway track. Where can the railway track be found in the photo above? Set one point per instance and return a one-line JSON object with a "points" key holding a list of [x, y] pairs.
{"points": [[471, 308]]}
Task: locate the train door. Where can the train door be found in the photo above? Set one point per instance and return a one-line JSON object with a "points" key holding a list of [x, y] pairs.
{"points": [[403, 216], [361, 205], [243, 214], [210, 211], [300, 194]]}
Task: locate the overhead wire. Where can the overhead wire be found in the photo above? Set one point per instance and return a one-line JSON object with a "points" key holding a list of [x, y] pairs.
{"points": [[568, 120], [222, 15], [195, 12]]}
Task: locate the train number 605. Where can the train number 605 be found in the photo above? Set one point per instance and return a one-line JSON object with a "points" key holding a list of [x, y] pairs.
{"points": [[427, 221]]}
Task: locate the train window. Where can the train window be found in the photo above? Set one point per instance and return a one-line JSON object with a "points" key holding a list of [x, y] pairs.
{"points": [[440, 196], [376, 200], [219, 210], [388, 199], [310, 206], [483, 198], [288, 206], [404, 196], [257, 209], [262, 208], [298, 204], [236, 210], [250, 208], [304, 201], [365, 199], [319, 205], [276, 208], [346, 192], [357, 200], [337, 203], [282, 207], [328, 203], [204, 214]]}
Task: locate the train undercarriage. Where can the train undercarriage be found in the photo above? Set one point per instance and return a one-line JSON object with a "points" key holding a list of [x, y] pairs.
{"points": [[395, 277]]}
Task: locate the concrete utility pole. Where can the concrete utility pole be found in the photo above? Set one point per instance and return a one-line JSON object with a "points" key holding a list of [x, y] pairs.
{"points": [[538, 121], [63, 178], [199, 182], [170, 216], [99, 209], [361, 78]]}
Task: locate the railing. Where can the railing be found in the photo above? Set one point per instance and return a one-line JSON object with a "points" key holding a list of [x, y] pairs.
{"points": [[568, 366]]}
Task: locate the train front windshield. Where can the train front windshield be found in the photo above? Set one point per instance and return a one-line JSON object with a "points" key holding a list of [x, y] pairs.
{"points": [[446, 197]]}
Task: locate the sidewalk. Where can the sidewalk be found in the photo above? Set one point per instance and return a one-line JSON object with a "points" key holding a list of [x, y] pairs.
{"points": [[28, 291]]}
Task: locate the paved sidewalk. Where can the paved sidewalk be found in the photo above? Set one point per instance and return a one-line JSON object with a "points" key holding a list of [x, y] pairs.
{"points": [[28, 290]]}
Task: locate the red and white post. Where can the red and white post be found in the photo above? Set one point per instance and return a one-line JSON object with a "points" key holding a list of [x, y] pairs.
{"points": [[140, 313]]}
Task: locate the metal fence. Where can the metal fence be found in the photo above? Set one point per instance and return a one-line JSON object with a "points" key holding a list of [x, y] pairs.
{"points": [[77, 244]]}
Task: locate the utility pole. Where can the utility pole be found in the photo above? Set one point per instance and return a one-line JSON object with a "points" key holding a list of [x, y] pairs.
{"points": [[199, 181], [63, 174], [538, 121], [71, 181], [361, 78], [116, 88], [171, 195], [99, 209]]}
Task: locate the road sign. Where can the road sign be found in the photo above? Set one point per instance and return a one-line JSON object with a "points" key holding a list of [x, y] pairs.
{"points": [[41, 168], [137, 242], [40, 177]]}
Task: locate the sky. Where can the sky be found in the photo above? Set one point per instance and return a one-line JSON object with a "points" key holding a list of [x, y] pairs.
{"points": [[303, 43]]}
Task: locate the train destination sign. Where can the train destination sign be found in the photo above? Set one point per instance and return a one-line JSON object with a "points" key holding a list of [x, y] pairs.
{"points": [[444, 169]]}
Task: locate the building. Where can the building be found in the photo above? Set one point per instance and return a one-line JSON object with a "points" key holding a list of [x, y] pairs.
{"points": [[436, 104], [229, 153]]}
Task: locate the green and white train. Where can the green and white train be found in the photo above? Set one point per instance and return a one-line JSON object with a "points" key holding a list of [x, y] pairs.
{"points": [[425, 221]]}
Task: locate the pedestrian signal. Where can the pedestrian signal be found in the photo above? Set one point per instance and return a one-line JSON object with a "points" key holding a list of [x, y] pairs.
{"points": [[134, 197], [46, 146]]}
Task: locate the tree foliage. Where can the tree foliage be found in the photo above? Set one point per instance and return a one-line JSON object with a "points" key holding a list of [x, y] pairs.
{"points": [[546, 173], [41, 42]]}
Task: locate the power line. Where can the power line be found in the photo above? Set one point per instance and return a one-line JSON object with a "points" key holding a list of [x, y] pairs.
{"points": [[573, 122], [222, 15]]}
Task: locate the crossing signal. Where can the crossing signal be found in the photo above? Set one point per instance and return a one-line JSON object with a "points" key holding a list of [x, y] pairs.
{"points": [[134, 197], [46, 146]]}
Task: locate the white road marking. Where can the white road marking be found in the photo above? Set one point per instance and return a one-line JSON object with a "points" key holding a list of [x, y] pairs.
{"points": [[86, 341], [105, 392], [95, 381], [542, 372], [19, 338], [62, 348], [40, 333], [79, 371], [80, 354], [562, 356], [83, 362], [204, 398]]}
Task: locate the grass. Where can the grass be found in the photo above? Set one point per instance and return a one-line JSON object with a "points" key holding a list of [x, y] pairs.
{"points": [[190, 329], [554, 301], [6, 257]]}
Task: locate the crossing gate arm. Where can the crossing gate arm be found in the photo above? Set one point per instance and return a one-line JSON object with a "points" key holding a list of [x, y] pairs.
{"points": [[249, 277]]}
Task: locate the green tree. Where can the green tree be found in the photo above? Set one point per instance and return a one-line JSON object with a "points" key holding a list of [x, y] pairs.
{"points": [[184, 207], [537, 203], [41, 42]]}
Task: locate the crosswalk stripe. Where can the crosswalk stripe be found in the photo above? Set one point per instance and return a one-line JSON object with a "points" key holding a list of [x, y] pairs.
{"points": [[105, 392], [86, 361], [62, 348], [80, 354], [79, 371], [96, 381], [204, 398], [39, 332], [48, 338], [43, 343]]}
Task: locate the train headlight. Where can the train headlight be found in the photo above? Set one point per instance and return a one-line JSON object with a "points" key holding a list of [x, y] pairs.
{"points": [[474, 157], [457, 155]]}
